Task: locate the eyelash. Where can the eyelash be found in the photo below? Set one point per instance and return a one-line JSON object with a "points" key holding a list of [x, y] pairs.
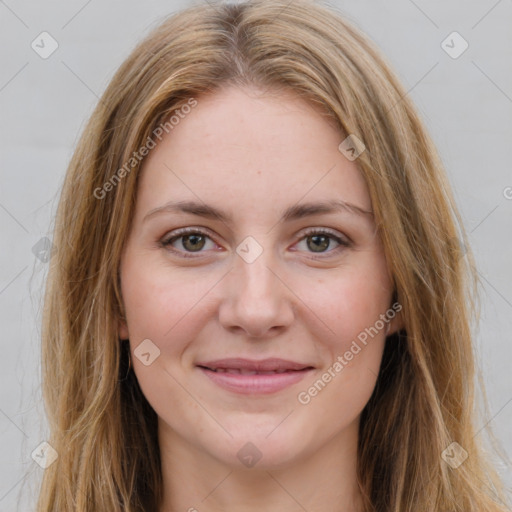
{"points": [[167, 241]]}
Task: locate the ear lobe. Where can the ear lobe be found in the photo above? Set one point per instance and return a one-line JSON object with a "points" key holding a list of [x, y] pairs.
{"points": [[396, 324], [122, 328]]}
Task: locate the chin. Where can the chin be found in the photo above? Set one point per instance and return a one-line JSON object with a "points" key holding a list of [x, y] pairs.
{"points": [[250, 449]]}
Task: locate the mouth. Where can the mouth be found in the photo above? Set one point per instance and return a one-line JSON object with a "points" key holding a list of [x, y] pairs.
{"points": [[241, 371], [254, 377]]}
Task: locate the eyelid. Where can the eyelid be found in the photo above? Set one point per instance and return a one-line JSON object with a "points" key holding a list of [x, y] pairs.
{"points": [[327, 231], [340, 238], [166, 240]]}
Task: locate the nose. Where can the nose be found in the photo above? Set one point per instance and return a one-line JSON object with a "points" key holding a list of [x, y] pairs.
{"points": [[256, 299]]}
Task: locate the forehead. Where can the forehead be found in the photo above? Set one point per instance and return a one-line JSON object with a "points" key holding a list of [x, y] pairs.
{"points": [[239, 145]]}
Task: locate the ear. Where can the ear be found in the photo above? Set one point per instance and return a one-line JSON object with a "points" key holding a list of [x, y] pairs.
{"points": [[397, 323], [122, 329]]}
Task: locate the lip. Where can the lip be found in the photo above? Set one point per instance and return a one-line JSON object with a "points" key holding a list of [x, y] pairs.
{"points": [[247, 376]]}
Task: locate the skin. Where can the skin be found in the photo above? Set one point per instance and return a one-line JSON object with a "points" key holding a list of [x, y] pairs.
{"points": [[253, 155]]}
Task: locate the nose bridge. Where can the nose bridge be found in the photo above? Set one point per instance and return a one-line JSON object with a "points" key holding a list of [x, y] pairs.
{"points": [[256, 299], [254, 278]]}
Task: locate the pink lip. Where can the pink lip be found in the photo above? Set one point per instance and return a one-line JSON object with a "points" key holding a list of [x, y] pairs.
{"points": [[229, 377], [271, 364]]}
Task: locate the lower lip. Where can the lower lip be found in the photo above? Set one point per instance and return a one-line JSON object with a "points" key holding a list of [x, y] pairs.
{"points": [[255, 384]]}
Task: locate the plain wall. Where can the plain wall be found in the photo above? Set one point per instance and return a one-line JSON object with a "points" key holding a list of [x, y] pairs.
{"points": [[466, 103]]}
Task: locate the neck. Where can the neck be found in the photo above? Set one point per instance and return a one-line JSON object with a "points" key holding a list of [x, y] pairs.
{"points": [[324, 479]]}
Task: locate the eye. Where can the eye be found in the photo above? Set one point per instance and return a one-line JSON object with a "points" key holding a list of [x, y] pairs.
{"points": [[187, 241], [319, 240]]}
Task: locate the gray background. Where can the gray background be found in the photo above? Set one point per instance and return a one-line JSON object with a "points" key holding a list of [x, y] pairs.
{"points": [[466, 104]]}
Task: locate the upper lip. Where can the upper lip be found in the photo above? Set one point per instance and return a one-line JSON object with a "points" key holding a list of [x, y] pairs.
{"points": [[264, 365]]}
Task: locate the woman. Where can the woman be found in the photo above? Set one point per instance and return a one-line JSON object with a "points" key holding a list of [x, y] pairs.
{"points": [[259, 300]]}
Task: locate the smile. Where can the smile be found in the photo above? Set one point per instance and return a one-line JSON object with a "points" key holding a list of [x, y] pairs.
{"points": [[254, 377], [242, 371]]}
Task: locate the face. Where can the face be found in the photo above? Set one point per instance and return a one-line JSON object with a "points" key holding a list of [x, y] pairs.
{"points": [[256, 310]]}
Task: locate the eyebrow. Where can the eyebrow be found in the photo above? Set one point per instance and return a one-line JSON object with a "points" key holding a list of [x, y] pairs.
{"points": [[294, 212]]}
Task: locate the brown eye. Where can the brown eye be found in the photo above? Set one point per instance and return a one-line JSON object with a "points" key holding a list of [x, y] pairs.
{"points": [[187, 241], [193, 242], [324, 242], [318, 243]]}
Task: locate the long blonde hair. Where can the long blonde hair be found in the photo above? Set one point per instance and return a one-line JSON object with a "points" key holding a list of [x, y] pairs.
{"points": [[102, 427]]}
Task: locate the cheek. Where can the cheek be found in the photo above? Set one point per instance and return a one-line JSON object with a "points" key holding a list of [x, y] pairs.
{"points": [[350, 302], [351, 305], [160, 302]]}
